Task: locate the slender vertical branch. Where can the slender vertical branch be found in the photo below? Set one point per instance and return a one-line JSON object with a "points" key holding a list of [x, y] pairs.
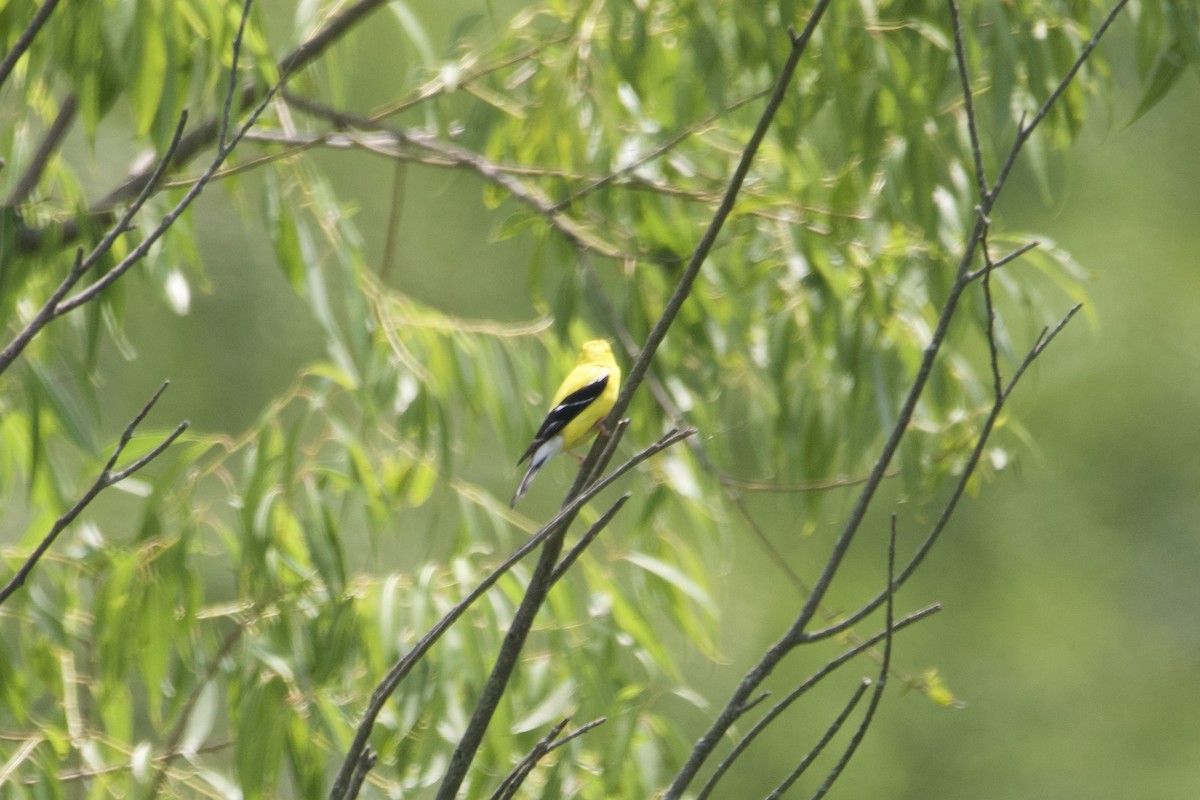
{"points": [[388, 685], [796, 634], [990, 328], [880, 681], [960, 56], [227, 108], [825, 739]]}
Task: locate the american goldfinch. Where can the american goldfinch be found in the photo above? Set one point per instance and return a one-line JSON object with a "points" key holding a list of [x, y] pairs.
{"points": [[582, 402]]}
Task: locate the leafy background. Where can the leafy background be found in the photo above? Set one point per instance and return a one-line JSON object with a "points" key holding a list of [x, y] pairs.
{"points": [[1070, 629]]}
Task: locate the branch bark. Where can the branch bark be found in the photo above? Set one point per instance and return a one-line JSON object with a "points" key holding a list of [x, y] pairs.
{"points": [[964, 276], [342, 789], [107, 478]]}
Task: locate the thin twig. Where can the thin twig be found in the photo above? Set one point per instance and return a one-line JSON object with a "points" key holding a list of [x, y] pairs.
{"points": [[880, 681], [586, 540], [990, 331], [227, 108], [610, 447], [777, 709], [546, 745], [825, 739], [51, 141], [143, 247], [1003, 260], [513, 780], [25, 39], [49, 310], [960, 55], [1025, 131], [106, 479]]}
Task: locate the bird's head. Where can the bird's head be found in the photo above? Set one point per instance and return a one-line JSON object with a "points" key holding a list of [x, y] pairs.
{"points": [[596, 351]]}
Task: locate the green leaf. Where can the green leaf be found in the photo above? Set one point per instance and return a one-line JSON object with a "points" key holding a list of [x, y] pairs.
{"points": [[556, 706], [151, 78], [261, 736], [63, 406], [1171, 64]]}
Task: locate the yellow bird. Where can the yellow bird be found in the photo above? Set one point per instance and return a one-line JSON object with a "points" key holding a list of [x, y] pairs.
{"points": [[582, 402]]}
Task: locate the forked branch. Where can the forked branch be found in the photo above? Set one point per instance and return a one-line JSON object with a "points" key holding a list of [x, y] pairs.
{"points": [[108, 476], [797, 633]]}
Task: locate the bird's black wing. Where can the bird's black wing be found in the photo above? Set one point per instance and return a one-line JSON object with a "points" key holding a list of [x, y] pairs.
{"points": [[561, 415]]}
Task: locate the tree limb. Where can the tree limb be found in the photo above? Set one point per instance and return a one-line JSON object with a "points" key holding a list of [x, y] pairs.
{"points": [[26, 39], [777, 709], [388, 685], [796, 634], [106, 479], [51, 141]]}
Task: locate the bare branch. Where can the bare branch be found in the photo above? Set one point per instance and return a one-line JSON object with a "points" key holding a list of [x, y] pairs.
{"points": [[796, 634], [51, 141], [362, 766], [1025, 131], [26, 39], [233, 76], [990, 332], [50, 309], [881, 680], [960, 55], [388, 685], [960, 487], [1002, 261], [610, 447], [547, 744], [106, 479], [825, 739], [777, 709], [310, 50], [143, 247], [586, 540]]}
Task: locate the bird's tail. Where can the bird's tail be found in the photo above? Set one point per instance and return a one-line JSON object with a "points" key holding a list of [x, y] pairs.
{"points": [[534, 466]]}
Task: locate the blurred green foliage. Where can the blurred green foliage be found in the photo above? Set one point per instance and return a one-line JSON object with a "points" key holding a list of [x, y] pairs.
{"points": [[250, 589]]}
